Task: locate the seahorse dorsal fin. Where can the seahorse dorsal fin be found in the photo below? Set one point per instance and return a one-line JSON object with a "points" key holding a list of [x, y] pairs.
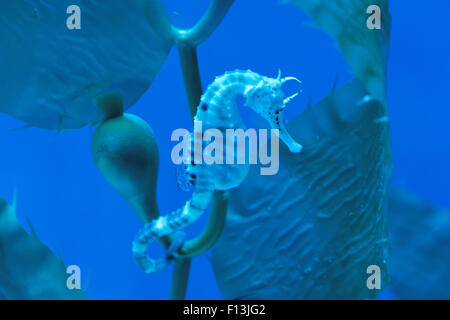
{"points": [[110, 104]]}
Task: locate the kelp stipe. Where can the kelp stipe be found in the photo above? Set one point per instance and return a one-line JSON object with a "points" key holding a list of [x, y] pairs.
{"points": [[186, 41]]}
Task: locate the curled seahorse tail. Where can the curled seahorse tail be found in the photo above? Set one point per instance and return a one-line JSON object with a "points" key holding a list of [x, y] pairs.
{"points": [[143, 239], [165, 225]]}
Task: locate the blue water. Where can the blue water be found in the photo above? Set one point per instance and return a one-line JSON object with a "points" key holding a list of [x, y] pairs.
{"points": [[76, 212]]}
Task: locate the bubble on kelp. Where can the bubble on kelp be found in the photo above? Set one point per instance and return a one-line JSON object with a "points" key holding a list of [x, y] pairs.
{"points": [[28, 269], [51, 74], [312, 230]]}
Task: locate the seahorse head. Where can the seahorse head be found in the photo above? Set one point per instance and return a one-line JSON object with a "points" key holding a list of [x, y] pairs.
{"points": [[267, 94], [268, 100]]}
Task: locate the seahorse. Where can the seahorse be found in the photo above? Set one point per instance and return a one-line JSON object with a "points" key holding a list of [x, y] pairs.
{"points": [[217, 109]]}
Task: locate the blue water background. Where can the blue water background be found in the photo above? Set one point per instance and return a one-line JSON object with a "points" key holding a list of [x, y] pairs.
{"points": [[76, 212]]}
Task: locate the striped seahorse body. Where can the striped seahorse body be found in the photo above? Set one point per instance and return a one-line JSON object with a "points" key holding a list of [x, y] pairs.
{"points": [[217, 110]]}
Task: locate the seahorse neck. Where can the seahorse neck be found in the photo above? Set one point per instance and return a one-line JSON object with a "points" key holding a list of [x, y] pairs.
{"points": [[225, 88]]}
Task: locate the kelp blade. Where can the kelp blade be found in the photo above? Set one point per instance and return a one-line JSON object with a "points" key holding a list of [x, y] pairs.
{"points": [[50, 74], [365, 50], [28, 269], [420, 254], [312, 230]]}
